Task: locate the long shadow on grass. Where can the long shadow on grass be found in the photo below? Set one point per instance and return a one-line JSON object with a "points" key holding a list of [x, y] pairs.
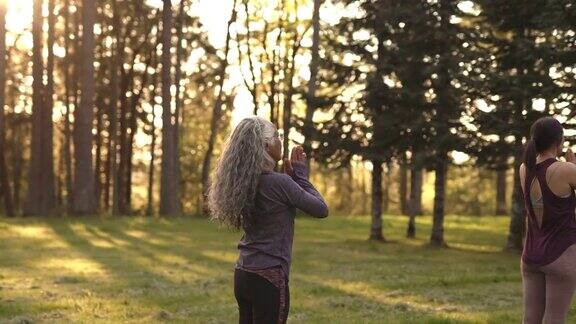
{"points": [[214, 279], [187, 256], [155, 243], [167, 235], [122, 265], [20, 251], [144, 247], [373, 299]]}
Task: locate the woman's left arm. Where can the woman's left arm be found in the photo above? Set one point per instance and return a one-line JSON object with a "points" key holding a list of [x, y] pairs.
{"points": [[300, 192], [305, 197]]}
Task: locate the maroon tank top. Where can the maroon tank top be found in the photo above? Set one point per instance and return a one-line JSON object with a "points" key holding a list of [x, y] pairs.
{"points": [[547, 242]]}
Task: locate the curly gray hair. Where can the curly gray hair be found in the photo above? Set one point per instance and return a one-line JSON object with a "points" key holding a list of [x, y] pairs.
{"points": [[235, 179]]}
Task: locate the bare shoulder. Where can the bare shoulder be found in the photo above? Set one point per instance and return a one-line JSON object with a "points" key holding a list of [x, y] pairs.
{"points": [[566, 168], [522, 170], [522, 174]]}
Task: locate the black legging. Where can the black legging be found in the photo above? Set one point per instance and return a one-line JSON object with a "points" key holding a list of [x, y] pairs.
{"points": [[259, 300]]}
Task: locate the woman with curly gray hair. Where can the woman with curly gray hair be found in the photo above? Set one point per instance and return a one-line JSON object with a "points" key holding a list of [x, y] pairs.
{"points": [[247, 194]]}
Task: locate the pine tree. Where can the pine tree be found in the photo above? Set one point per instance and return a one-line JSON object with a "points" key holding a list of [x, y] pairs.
{"points": [[516, 73], [40, 198]]}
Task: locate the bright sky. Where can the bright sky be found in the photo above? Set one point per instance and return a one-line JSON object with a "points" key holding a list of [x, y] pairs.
{"points": [[19, 15], [214, 16]]}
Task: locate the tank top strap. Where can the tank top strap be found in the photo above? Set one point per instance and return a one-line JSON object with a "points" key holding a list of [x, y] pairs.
{"points": [[541, 172], [528, 179]]}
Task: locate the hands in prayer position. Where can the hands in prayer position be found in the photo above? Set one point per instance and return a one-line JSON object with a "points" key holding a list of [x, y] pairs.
{"points": [[296, 156]]}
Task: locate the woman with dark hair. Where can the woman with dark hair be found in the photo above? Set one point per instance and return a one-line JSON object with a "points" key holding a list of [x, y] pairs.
{"points": [[246, 193], [549, 257]]}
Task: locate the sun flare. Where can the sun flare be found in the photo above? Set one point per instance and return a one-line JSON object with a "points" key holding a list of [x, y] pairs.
{"points": [[18, 15]]}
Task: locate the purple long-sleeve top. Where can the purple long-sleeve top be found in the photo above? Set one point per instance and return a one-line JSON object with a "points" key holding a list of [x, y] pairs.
{"points": [[268, 241]]}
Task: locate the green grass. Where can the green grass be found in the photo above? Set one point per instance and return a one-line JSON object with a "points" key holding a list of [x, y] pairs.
{"points": [[180, 270]]}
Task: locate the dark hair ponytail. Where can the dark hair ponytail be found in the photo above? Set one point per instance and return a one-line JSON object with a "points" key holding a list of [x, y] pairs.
{"points": [[545, 133], [530, 155]]}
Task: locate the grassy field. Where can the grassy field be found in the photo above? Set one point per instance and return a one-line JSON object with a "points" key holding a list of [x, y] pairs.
{"points": [[180, 270]]}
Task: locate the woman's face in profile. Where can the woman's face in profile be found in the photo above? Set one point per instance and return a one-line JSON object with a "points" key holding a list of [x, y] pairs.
{"points": [[275, 149]]}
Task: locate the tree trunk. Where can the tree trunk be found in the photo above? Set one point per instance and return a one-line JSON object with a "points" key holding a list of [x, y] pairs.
{"points": [[411, 230], [40, 198], [516, 229], [290, 68], [50, 78], [441, 169], [273, 64], [98, 142], [67, 153], [217, 111], [501, 192], [5, 189], [476, 208], [376, 227], [253, 88], [134, 101], [84, 195], [417, 176], [59, 180], [18, 163], [386, 191], [364, 195], [415, 202], [178, 113], [150, 205], [76, 72], [287, 113], [133, 126], [124, 136], [350, 181], [403, 188], [113, 180], [110, 166], [169, 196], [122, 183], [101, 143], [311, 93]]}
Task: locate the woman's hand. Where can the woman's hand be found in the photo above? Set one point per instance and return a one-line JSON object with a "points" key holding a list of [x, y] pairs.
{"points": [[296, 156]]}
